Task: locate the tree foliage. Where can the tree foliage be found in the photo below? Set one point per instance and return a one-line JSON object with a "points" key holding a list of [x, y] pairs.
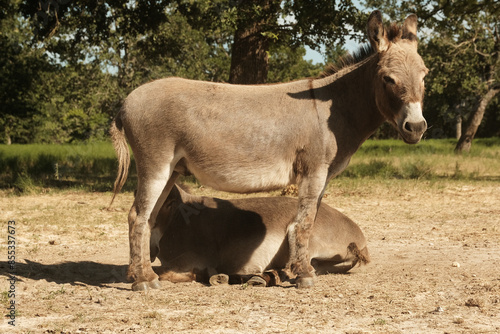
{"points": [[66, 65], [69, 64], [99, 52], [19, 69]]}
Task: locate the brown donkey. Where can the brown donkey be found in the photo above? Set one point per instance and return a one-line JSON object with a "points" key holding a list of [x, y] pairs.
{"points": [[197, 237], [241, 138]]}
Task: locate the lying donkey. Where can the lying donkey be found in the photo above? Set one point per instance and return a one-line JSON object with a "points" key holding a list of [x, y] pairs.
{"points": [[197, 237]]}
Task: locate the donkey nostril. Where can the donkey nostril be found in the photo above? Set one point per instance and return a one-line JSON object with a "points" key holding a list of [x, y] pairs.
{"points": [[415, 127]]}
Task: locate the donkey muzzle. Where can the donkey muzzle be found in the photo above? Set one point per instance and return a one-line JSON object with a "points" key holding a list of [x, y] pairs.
{"points": [[412, 124]]}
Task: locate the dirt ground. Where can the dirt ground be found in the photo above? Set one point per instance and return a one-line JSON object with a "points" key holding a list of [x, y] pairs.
{"points": [[435, 248]]}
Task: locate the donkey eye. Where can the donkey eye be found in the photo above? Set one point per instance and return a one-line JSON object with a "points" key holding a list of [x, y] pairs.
{"points": [[389, 80]]}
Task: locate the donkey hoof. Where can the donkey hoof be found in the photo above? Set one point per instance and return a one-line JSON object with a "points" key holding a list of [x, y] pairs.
{"points": [[144, 286], [155, 284], [219, 279], [257, 281], [304, 282]]}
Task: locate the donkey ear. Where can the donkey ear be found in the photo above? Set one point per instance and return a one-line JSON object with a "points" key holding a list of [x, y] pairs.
{"points": [[376, 32], [410, 28]]}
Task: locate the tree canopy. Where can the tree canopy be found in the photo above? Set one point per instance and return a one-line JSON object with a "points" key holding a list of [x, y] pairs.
{"points": [[67, 65]]}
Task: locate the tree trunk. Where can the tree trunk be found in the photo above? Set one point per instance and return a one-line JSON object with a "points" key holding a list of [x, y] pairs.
{"points": [[249, 56], [458, 127], [465, 141], [249, 60]]}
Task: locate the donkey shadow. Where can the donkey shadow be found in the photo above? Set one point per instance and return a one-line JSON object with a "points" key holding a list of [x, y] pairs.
{"points": [[74, 273]]}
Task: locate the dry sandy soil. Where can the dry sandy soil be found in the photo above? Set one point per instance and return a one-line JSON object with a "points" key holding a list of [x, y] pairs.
{"points": [[435, 248]]}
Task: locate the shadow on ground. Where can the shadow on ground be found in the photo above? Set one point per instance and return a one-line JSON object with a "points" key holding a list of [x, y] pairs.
{"points": [[75, 273]]}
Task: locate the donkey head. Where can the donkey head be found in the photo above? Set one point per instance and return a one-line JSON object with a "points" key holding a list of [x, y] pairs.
{"points": [[399, 83]]}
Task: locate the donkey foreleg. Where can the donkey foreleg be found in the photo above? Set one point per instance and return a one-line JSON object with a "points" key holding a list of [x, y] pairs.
{"points": [[298, 239], [299, 232]]}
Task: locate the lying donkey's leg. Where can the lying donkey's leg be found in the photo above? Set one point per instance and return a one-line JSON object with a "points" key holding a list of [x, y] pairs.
{"points": [[274, 277], [267, 278], [219, 279], [257, 281], [175, 277]]}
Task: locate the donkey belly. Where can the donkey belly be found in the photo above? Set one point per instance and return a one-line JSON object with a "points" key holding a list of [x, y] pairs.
{"points": [[242, 176], [242, 157]]}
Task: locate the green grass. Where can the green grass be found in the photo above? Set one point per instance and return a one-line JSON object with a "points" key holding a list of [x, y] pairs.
{"points": [[92, 167], [395, 147], [426, 160], [27, 168]]}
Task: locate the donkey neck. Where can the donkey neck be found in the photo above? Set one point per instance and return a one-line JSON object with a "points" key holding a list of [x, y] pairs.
{"points": [[352, 114]]}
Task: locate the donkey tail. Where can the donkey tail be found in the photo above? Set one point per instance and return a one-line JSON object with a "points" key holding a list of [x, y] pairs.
{"points": [[122, 151], [361, 256]]}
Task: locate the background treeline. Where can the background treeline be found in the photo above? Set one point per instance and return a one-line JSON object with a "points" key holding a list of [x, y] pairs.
{"points": [[66, 65]]}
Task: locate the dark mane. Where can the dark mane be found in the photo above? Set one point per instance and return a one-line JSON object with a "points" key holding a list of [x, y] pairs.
{"points": [[394, 32], [349, 59]]}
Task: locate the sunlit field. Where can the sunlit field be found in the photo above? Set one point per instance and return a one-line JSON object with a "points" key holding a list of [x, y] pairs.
{"points": [[36, 168]]}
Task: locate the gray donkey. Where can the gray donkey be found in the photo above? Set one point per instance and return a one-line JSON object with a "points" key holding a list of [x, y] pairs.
{"points": [[243, 138], [198, 237]]}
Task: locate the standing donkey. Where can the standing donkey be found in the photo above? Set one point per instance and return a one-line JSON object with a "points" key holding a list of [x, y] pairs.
{"points": [[241, 138]]}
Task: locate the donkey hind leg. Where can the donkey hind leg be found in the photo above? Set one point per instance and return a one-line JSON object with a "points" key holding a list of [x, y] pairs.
{"points": [[150, 196], [310, 193]]}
